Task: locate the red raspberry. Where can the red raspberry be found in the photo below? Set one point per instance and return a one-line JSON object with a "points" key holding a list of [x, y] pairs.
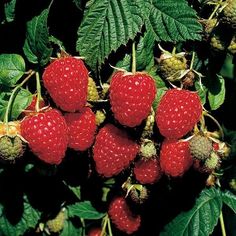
{"points": [[122, 216], [66, 80], [113, 150], [46, 133], [175, 157], [178, 112], [131, 97], [95, 232], [147, 171], [81, 129]]}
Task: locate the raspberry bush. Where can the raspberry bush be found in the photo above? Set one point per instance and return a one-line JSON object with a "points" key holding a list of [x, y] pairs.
{"points": [[116, 118]]}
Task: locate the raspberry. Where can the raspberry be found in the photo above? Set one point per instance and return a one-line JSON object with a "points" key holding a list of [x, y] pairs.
{"points": [[46, 133], [131, 97], [66, 80], [122, 217], [178, 112], [11, 148], [92, 90], [113, 150], [147, 172], [200, 147], [81, 129], [212, 162], [218, 43], [147, 149], [229, 12], [95, 232], [56, 225], [175, 157], [209, 25], [171, 67], [232, 46], [139, 194]]}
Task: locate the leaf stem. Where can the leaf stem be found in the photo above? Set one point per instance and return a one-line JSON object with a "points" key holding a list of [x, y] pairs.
{"points": [[14, 91], [133, 58], [109, 228], [192, 60], [222, 224], [39, 96]]}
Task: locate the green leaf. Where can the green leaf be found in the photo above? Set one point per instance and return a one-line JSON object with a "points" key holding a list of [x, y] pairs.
{"points": [[70, 229], [84, 210], [230, 200], [28, 220], [145, 56], [202, 91], [76, 191], [216, 93], [173, 21], [201, 219], [125, 63], [12, 67], [227, 69], [9, 9], [107, 24], [37, 48], [21, 101]]}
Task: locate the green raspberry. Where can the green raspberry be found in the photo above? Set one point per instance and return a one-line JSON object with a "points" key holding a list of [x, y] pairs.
{"points": [[232, 46], [171, 68], [11, 148], [92, 91], [56, 225], [212, 162], [200, 147], [229, 12]]}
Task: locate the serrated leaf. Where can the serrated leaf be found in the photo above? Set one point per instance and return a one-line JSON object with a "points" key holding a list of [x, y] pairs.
{"points": [[145, 56], [107, 24], [21, 101], [70, 229], [201, 219], [28, 220], [173, 21], [9, 10], [12, 67], [36, 47], [230, 200], [84, 210], [216, 92], [125, 63]]}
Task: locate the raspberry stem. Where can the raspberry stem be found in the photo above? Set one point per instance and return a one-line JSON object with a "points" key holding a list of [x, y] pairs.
{"points": [[39, 96], [133, 58], [12, 97], [222, 225], [215, 10]]}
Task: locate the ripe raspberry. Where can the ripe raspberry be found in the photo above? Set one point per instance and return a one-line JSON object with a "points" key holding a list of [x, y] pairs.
{"points": [[56, 225], [171, 67], [122, 216], [147, 172], [92, 90], [200, 147], [66, 80], [113, 150], [178, 112], [46, 133], [229, 12], [81, 129], [175, 157], [95, 232], [131, 97], [31, 108], [11, 148]]}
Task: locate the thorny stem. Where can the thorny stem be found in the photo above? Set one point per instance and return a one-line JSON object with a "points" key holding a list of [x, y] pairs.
{"points": [[39, 96], [133, 58], [222, 224], [13, 94]]}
